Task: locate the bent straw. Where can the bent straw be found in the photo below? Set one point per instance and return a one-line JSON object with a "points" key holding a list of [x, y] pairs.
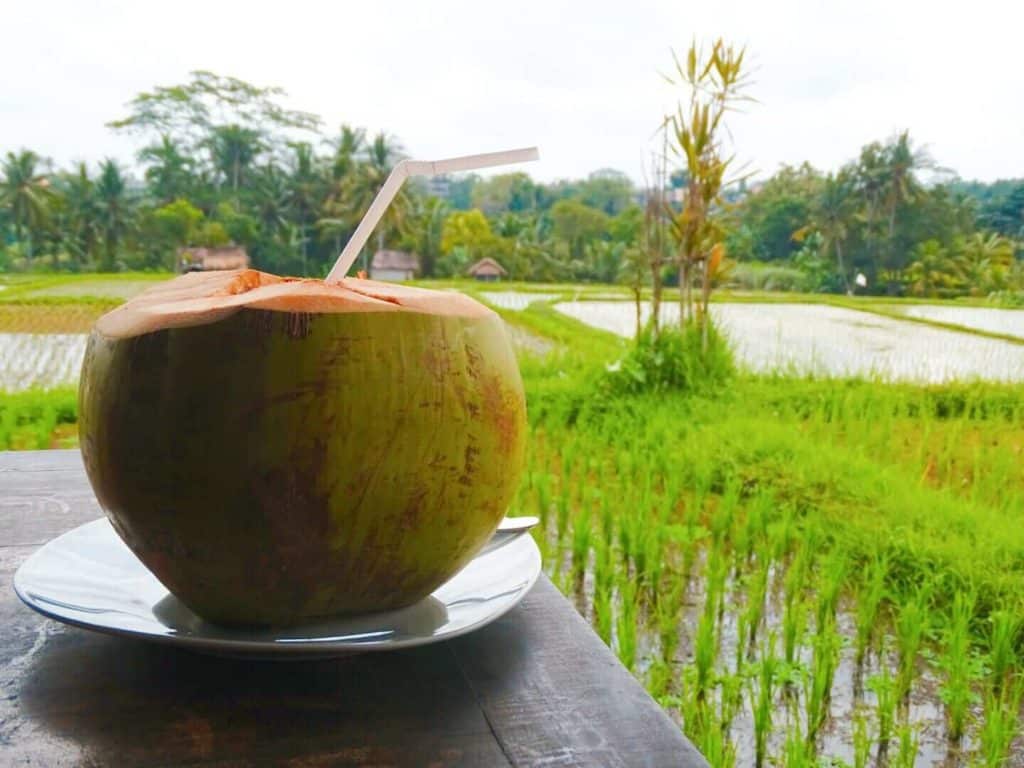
{"points": [[403, 170]]}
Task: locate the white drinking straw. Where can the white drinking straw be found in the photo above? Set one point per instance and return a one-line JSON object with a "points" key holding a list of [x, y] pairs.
{"points": [[405, 169]]}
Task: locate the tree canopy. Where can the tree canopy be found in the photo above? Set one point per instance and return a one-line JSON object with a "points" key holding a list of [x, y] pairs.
{"points": [[225, 161]]}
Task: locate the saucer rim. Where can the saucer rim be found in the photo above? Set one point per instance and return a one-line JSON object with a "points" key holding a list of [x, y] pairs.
{"points": [[310, 647]]}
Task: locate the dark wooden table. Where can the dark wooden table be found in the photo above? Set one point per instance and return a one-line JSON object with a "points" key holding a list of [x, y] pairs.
{"points": [[535, 688]]}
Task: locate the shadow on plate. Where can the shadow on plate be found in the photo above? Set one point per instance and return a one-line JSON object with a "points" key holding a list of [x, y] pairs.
{"points": [[301, 643]]}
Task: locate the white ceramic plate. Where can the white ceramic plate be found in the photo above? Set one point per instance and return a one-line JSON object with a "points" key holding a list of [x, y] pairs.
{"points": [[90, 579]]}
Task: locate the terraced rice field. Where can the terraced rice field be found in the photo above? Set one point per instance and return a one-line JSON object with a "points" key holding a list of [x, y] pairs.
{"points": [[40, 359], [832, 341], [1005, 321], [515, 300]]}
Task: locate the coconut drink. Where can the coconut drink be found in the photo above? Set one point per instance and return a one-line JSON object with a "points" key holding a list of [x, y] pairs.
{"points": [[277, 450]]}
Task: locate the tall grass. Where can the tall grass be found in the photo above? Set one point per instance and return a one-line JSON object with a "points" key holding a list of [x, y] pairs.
{"points": [[910, 626], [959, 665], [34, 418]]}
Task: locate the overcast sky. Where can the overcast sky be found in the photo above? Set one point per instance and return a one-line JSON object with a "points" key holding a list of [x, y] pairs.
{"points": [[579, 79]]}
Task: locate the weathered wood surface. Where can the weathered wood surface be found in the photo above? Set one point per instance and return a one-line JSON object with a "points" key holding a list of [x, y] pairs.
{"points": [[535, 688]]}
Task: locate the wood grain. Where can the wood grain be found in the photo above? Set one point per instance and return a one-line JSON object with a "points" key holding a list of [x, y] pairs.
{"points": [[535, 688]]}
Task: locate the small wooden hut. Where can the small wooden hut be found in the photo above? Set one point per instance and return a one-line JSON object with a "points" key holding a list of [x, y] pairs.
{"points": [[394, 265], [487, 270], [206, 259]]}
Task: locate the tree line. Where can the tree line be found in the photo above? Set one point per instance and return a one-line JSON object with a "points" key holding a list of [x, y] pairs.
{"points": [[222, 161], [875, 218]]}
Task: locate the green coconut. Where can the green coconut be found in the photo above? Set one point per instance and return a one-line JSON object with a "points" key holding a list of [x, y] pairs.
{"points": [[276, 450]]}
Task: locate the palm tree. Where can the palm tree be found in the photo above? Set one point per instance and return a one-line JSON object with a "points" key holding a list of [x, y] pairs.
{"points": [[831, 216], [348, 146], [933, 272], [82, 213], [273, 201], [169, 172], [26, 194], [901, 163], [428, 226], [378, 158], [233, 150], [306, 190], [870, 180], [115, 210], [984, 262]]}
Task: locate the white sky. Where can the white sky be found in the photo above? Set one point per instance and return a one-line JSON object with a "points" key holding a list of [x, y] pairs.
{"points": [[579, 79]]}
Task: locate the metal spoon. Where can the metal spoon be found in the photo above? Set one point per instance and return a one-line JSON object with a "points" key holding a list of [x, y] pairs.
{"points": [[509, 529]]}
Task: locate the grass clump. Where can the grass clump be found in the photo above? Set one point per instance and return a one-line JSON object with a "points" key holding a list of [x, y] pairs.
{"points": [[36, 418], [672, 360]]}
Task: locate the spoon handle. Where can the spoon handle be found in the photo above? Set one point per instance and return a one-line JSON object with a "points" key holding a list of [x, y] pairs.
{"points": [[509, 529]]}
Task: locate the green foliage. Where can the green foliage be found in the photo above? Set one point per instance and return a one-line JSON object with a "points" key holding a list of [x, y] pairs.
{"points": [[672, 360], [260, 175], [758, 276], [30, 419]]}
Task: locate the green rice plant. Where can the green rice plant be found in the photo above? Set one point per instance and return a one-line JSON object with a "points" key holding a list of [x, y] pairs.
{"points": [[762, 700], [625, 624], [730, 689], [958, 664], [755, 523], [716, 748], [603, 618], [794, 624], [910, 627], [861, 739], [869, 601], [666, 611], [783, 535], [659, 678], [725, 512], [569, 452], [1001, 641], [818, 688], [627, 534], [652, 563], [705, 648], [543, 482], [563, 509], [754, 609], [604, 566], [714, 584], [1001, 724], [29, 419], [833, 577], [883, 685], [581, 537], [688, 538], [607, 519], [799, 569], [798, 751], [907, 741], [740, 649]]}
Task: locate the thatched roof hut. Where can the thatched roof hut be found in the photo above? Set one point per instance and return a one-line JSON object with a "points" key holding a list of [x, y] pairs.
{"points": [[205, 259], [487, 269], [394, 265]]}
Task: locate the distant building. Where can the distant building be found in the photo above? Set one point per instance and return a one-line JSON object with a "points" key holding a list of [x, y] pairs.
{"points": [[394, 265], [487, 270], [206, 259], [438, 186]]}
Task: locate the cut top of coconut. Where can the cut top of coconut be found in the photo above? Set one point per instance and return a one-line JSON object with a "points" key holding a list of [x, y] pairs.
{"points": [[200, 298]]}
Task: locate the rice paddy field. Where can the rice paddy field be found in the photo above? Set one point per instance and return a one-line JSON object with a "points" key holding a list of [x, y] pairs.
{"points": [[824, 340], [818, 561], [1003, 321]]}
